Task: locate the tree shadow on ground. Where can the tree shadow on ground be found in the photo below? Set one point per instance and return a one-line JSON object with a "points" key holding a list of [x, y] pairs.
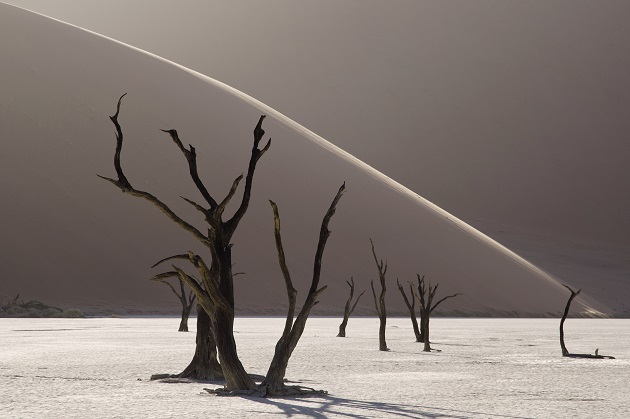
{"points": [[323, 407]]}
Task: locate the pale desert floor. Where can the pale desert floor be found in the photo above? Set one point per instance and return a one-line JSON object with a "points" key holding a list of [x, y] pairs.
{"points": [[486, 368]]}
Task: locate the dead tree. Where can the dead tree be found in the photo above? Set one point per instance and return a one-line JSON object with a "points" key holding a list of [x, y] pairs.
{"points": [[348, 309], [380, 302], [274, 384], [411, 306], [187, 301], [565, 352], [425, 296], [215, 291]]}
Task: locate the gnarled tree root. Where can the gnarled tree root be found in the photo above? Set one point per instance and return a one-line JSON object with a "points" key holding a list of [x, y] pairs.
{"points": [[589, 356], [264, 391], [181, 378]]}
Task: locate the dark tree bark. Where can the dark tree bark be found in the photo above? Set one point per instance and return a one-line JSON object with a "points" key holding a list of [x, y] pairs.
{"points": [[565, 352], [425, 297], [273, 384], [348, 309], [411, 306], [215, 292], [380, 302], [204, 365], [574, 294], [187, 301]]}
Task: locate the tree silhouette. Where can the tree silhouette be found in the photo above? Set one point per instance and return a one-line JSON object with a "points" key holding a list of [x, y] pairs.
{"points": [[213, 283], [411, 307], [425, 295], [186, 301], [380, 302], [348, 309], [565, 352], [215, 288]]}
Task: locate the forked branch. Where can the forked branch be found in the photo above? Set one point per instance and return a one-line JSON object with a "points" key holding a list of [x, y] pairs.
{"points": [[191, 158], [125, 186], [257, 153]]}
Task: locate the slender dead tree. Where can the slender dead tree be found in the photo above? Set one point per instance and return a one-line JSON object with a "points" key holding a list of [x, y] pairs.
{"points": [[380, 302], [215, 292], [425, 297], [348, 309], [187, 301], [565, 352], [273, 384], [574, 294], [411, 306]]}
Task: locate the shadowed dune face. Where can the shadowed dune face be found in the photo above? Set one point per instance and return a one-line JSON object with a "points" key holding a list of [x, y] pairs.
{"points": [[70, 237]]}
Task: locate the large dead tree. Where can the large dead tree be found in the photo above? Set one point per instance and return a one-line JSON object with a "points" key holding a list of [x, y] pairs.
{"points": [[411, 306], [187, 301], [348, 309], [215, 290], [274, 384], [425, 296], [565, 352], [380, 302]]}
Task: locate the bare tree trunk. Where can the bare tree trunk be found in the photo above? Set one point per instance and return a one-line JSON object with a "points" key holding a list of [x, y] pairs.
{"points": [[382, 317], [342, 327], [421, 337], [425, 333], [565, 352], [411, 307], [204, 365], [236, 378], [183, 323], [574, 294], [380, 303], [348, 309], [187, 305], [273, 384], [382, 344]]}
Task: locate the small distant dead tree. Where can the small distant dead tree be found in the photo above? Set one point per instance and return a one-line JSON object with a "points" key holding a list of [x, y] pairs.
{"points": [[565, 352], [425, 295], [380, 302], [411, 306], [274, 384], [348, 309], [187, 301]]}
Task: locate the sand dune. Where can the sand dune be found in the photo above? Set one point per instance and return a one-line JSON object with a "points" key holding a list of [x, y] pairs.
{"points": [[70, 238]]}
